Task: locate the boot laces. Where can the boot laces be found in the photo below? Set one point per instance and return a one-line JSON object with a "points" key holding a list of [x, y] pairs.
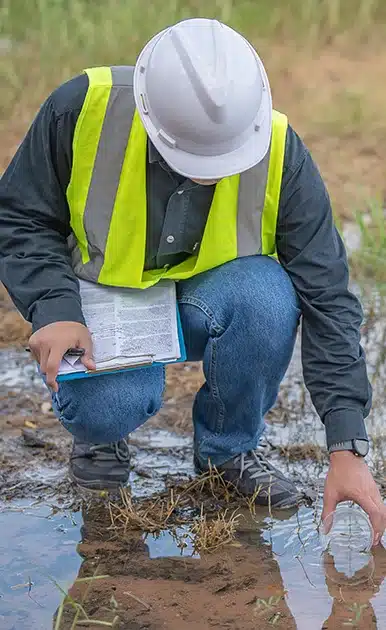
{"points": [[113, 450], [255, 463]]}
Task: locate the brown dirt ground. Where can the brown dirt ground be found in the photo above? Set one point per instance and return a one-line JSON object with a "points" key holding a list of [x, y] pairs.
{"points": [[14, 330], [334, 99]]}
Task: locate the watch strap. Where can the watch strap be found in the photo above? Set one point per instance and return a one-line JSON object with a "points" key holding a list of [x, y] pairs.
{"points": [[356, 446], [347, 445]]}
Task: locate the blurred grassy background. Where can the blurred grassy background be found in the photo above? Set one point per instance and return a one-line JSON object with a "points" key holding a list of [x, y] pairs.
{"points": [[326, 60]]}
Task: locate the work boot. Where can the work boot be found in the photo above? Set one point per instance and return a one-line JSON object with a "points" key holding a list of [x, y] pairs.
{"points": [[251, 471], [100, 466]]}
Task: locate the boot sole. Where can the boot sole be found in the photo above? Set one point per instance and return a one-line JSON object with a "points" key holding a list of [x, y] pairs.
{"points": [[96, 485]]}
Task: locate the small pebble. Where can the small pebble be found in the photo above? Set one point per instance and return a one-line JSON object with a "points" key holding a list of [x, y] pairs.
{"points": [[46, 407]]}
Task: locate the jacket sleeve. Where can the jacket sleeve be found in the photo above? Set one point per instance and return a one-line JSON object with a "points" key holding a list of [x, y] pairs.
{"points": [[313, 254], [34, 223]]}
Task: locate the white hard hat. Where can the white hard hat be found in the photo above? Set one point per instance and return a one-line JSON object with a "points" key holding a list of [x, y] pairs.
{"points": [[204, 99]]}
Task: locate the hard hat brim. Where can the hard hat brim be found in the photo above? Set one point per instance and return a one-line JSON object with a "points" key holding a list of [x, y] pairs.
{"points": [[219, 166], [195, 166]]}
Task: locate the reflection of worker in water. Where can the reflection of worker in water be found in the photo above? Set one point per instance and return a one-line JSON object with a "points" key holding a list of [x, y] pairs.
{"points": [[129, 175], [144, 565], [101, 557], [352, 597]]}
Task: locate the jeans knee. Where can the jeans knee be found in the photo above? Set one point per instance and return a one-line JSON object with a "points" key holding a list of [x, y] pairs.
{"points": [[264, 307], [103, 409], [269, 330], [266, 294]]}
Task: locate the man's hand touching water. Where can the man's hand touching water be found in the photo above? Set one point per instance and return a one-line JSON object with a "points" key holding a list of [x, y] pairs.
{"points": [[349, 479]]}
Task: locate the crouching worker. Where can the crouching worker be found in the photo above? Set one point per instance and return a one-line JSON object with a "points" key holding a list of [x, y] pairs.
{"points": [[180, 168]]}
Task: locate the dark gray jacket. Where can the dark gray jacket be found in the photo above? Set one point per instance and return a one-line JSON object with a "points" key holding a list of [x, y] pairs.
{"points": [[35, 265]]}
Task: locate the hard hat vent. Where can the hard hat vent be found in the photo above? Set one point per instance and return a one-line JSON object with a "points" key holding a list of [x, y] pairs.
{"points": [[209, 76], [202, 90]]}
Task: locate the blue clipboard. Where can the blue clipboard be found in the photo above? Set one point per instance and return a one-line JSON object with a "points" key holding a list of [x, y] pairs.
{"points": [[93, 373]]}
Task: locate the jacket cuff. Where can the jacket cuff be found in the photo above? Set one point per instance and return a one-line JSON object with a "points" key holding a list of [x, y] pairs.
{"points": [[344, 425], [65, 309]]}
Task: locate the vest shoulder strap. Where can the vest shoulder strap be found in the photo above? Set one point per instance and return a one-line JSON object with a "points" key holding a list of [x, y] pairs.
{"points": [[273, 189], [99, 146], [110, 75], [259, 196]]}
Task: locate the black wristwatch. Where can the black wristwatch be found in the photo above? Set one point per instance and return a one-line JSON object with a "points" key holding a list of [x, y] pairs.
{"points": [[358, 447]]}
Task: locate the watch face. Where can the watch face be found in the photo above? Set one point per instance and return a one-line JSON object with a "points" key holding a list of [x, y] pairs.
{"points": [[361, 447]]}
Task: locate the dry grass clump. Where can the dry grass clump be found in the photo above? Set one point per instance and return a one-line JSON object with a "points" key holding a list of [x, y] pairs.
{"points": [[209, 535], [298, 452], [208, 506]]}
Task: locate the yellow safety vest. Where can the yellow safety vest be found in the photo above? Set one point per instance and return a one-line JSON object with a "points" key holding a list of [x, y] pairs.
{"points": [[107, 194]]}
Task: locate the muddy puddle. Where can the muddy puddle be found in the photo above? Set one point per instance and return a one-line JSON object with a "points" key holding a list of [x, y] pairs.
{"points": [[272, 574]]}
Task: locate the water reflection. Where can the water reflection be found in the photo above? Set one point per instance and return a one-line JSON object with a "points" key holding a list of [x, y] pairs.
{"points": [[322, 591], [37, 546], [355, 600], [278, 561], [165, 579]]}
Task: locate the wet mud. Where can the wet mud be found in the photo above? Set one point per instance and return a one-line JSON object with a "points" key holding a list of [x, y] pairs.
{"points": [[272, 573]]}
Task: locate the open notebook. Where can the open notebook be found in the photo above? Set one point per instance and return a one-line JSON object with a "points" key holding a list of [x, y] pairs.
{"points": [[129, 327]]}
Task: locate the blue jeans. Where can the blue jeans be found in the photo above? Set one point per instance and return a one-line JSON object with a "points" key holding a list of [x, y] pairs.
{"points": [[240, 319]]}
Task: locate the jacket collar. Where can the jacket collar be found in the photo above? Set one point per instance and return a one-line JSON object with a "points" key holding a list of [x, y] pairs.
{"points": [[153, 154]]}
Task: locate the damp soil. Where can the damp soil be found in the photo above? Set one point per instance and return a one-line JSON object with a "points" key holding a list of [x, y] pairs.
{"points": [[273, 573]]}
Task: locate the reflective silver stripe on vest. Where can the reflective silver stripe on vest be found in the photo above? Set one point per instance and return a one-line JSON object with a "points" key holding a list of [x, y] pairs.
{"points": [[250, 207], [107, 171]]}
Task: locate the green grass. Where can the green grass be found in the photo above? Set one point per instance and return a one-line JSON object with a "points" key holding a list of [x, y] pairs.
{"points": [[53, 39], [357, 610], [120, 27], [369, 261], [80, 617]]}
